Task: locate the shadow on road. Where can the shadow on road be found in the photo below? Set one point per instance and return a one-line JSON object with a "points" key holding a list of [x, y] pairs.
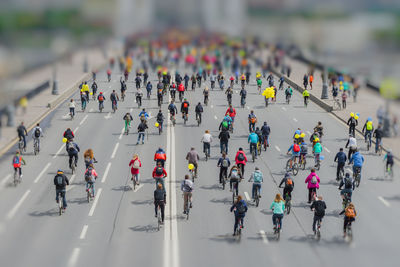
{"points": [[226, 201], [145, 228], [143, 202], [211, 187], [228, 238], [49, 213]]}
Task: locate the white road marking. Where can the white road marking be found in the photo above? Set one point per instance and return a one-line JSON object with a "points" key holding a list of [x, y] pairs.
{"points": [[247, 196], [4, 181], [295, 119], [84, 230], [108, 116], [42, 172], [122, 132], [106, 172], [387, 204], [215, 117], [65, 116], [115, 150], [212, 106], [247, 107], [83, 120], [58, 152], [96, 199], [309, 133], [277, 148], [137, 188], [327, 150], [14, 210], [76, 129], [264, 236], [131, 110], [74, 257], [284, 110], [72, 178], [70, 188]]}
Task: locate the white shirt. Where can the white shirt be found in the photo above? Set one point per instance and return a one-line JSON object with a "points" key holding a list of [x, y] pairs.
{"points": [[207, 138], [186, 184], [33, 132], [352, 142], [72, 104]]}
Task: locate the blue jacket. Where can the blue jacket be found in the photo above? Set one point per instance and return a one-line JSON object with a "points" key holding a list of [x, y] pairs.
{"points": [[253, 138], [241, 202], [144, 113], [358, 159], [341, 157]]}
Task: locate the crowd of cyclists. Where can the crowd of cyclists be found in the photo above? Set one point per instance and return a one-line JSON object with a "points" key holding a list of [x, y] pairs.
{"points": [[211, 72]]}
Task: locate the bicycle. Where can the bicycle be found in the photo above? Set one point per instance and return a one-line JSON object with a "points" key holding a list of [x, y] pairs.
{"points": [[306, 102], [159, 219], [368, 140], [349, 232], [193, 173], [122, 96], [114, 106], [234, 193], [172, 118], [257, 196], [253, 154], [288, 99], [317, 162], [288, 203], [60, 204], [224, 148], [101, 107], [36, 146], [336, 104], [187, 208], [277, 229], [83, 106], [357, 176], [346, 201], [303, 162], [185, 118], [139, 101], [21, 145], [265, 143], [242, 102], [266, 102], [388, 171], [239, 228], [317, 231], [89, 192], [17, 177], [71, 115], [294, 169], [72, 167], [259, 148], [198, 119]]}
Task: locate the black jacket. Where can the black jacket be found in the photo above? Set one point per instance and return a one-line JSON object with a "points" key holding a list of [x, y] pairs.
{"points": [[319, 207], [65, 182], [160, 195], [224, 136]]}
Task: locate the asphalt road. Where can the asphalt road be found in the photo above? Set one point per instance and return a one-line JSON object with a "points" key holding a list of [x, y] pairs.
{"points": [[118, 228]]}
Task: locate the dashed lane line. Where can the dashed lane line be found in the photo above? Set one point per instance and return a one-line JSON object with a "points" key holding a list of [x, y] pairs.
{"points": [[263, 236], [247, 196], [215, 117], [115, 150], [277, 148], [83, 120], [41, 173], [295, 119], [84, 231], [4, 181], [106, 172], [387, 204], [74, 257], [14, 210], [96, 200], [327, 150]]}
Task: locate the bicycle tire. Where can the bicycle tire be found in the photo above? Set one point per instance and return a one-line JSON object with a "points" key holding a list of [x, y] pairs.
{"points": [[287, 165], [257, 200], [288, 207], [223, 183], [253, 155], [295, 169]]}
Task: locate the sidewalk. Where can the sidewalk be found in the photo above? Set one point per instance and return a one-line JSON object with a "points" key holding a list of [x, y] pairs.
{"points": [[368, 101], [69, 74]]}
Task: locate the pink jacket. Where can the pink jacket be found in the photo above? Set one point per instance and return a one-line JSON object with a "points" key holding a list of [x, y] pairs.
{"points": [[241, 161], [309, 178], [133, 169]]}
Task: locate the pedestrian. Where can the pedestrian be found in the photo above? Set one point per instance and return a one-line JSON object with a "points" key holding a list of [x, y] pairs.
{"points": [[344, 98]]}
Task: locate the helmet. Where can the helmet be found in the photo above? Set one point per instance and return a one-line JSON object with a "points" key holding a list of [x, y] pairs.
{"points": [[59, 171]]}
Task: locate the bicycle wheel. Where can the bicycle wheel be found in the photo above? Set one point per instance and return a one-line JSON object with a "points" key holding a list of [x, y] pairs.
{"points": [[288, 206], [223, 183], [88, 195], [287, 165], [60, 205], [187, 210], [295, 169], [253, 155], [16, 178], [159, 220], [257, 200]]}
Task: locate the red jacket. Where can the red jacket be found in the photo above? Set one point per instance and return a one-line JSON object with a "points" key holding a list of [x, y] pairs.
{"points": [[181, 88], [231, 114], [159, 176], [133, 169], [161, 156], [238, 161]]}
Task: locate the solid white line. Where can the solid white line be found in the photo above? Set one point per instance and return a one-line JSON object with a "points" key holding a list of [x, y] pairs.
{"points": [[96, 199], [309, 133], [4, 181], [215, 117], [327, 150], [42, 172], [72, 178], [295, 119], [84, 230], [264, 236], [167, 221], [387, 204], [76, 129], [74, 257], [247, 196], [14, 210], [83, 120], [115, 150], [137, 188], [58, 152], [106, 172], [277, 148], [284, 108], [174, 222], [122, 132]]}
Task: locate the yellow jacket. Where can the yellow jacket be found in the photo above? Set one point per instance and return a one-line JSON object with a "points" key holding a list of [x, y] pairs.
{"points": [[306, 93]]}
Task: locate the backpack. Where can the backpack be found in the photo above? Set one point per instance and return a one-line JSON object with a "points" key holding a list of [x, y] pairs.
{"points": [[241, 209], [240, 157], [253, 120], [16, 160], [187, 187], [159, 171], [225, 163], [59, 180], [235, 174], [314, 180], [369, 126], [389, 158], [37, 133], [101, 98], [225, 124], [350, 213], [185, 105], [289, 182], [296, 148], [303, 149], [257, 177], [71, 148], [88, 175], [136, 164], [244, 93]]}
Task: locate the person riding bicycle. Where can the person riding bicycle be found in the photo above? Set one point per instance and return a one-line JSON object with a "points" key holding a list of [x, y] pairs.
{"points": [[123, 86], [72, 106], [181, 90], [270, 79], [229, 94], [37, 132], [187, 189], [90, 178], [281, 82], [88, 157], [235, 176], [289, 186], [94, 88], [185, 108], [265, 130], [186, 78], [252, 121], [22, 132], [278, 207], [319, 129], [295, 151], [367, 130], [232, 79], [258, 132], [306, 96], [114, 100], [160, 156], [389, 160], [172, 109], [352, 123], [241, 159], [61, 181], [341, 159], [139, 96], [358, 160], [207, 139], [349, 186], [240, 208], [84, 100], [198, 109], [138, 81], [243, 94], [17, 162], [101, 98], [349, 217], [172, 90], [144, 116], [85, 91], [257, 178], [223, 163], [73, 150], [226, 123], [303, 151], [378, 134], [127, 118], [160, 93], [160, 200], [312, 182], [159, 174], [206, 93], [160, 119], [141, 129], [253, 140], [288, 92], [317, 149], [352, 144], [192, 157], [259, 82], [135, 165], [149, 87], [319, 207], [231, 112]]}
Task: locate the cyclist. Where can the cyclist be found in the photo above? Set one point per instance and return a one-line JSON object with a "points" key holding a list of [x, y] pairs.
{"points": [[71, 107], [278, 207], [123, 87], [141, 130], [127, 118], [319, 129], [319, 207], [341, 159], [89, 158], [144, 116], [69, 134], [185, 108], [270, 79], [252, 121], [289, 186], [181, 90], [192, 157], [22, 132], [258, 132], [90, 178], [235, 176], [305, 81], [37, 132], [265, 130], [223, 164], [149, 87], [317, 149], [94, 89], [198, 109], [389, 159], [186, 78], [378, 134], [306, 96], [207, 139], [85, 90], [109, 75], [295, 150], [221, 82], [73, 150], [352, 123], [160, 93], [159, 175], [172, 90], [243, 94], [231, 112], [253, 140], [281, 82], [240, 209], [226, 123], [187, 189], [257, 178], [84, 100], [160, 199], [138, 81], [303, 151], [160, 156], [232, 79], [229, 93], [349, 217], [241, 159], [114, 98], [160, 119], [145, 77], [206, 93], [172, 109], [312, 182], [288, 93], [17, 163], [135, 164], [259, 83], [101, 98], [358, 160], [352, 144], [367, 130], [223, 140], [61, 181]]}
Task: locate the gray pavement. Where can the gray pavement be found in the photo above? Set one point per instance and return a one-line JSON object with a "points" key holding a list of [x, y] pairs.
{"points": [[119, 227]]}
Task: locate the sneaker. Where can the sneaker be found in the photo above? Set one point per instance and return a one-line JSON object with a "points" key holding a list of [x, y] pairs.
{"points": [[233, 234], [137, 143], [155, 215]]}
